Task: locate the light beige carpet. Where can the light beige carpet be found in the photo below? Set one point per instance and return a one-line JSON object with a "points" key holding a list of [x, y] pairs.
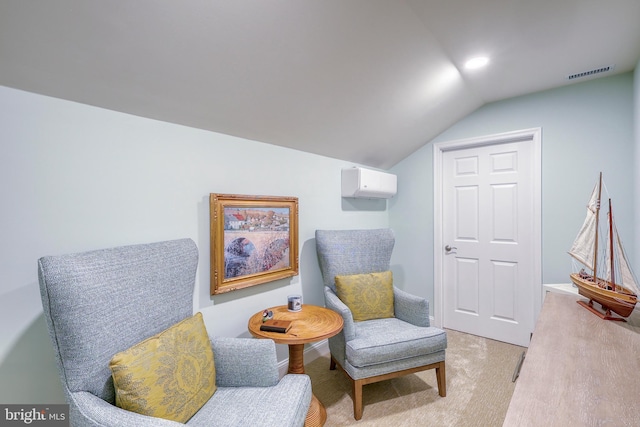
{"points": [[479, 388]]}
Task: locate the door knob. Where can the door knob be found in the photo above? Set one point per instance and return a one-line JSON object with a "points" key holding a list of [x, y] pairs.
{"points": [[449, 248]]}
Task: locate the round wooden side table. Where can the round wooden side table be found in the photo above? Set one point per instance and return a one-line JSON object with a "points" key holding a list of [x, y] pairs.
{"points": [[312, 323]]}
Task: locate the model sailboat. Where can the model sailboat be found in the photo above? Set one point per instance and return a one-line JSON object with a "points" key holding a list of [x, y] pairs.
{"points": [[609, 281]]}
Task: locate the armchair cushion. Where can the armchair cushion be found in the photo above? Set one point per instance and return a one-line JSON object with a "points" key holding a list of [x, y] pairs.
{"points": [[389, 340], [170, 375], [368, 296]]}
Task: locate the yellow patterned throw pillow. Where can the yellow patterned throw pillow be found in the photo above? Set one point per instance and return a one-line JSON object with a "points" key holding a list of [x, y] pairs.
{"points": [[170, 375], [368, 296]]}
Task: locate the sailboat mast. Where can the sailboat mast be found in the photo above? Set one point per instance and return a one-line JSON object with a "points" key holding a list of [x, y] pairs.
{"points": [[613, 276], [595, 249]]}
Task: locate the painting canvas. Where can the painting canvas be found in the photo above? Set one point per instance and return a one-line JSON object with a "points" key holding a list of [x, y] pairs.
{"points": [[254, 239]]}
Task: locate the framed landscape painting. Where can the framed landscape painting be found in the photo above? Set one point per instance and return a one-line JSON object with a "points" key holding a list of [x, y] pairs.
{"points": [[254, 240]]}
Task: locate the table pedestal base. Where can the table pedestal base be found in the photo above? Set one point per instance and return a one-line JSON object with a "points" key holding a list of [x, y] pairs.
{"points": [[317, 414]]}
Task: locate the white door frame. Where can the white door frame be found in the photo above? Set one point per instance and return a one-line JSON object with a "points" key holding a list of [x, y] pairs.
{"points": [[533, 135]]}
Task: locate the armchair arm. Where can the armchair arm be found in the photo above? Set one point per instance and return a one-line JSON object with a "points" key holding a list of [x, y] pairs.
{"points": [[334, 303], [411, 308], [90, 410], [245, 362]]}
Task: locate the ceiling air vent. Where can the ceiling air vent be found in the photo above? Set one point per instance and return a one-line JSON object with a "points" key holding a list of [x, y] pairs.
{"points": [[591, 72]]}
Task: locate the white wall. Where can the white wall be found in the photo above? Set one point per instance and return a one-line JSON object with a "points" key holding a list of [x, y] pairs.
{"points": [[636, 122], [77, 178], [586, 128]]}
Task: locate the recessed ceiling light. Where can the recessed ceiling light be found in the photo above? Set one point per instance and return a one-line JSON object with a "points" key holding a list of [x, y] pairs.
{"points": [[477, 62]]}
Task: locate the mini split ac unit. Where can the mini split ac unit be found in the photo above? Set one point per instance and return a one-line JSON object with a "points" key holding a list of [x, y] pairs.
{"points": [[368, 184]]}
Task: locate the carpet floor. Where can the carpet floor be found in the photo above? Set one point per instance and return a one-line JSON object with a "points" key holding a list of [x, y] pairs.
{"points": [[479, 388]]}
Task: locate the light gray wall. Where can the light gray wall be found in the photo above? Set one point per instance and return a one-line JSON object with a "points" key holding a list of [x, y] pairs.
{"points": [[636, 121], [586, 128], [77, 178]]}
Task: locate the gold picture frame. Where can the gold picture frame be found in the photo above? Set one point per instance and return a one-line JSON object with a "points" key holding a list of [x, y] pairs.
{"points": [[254, 240]]}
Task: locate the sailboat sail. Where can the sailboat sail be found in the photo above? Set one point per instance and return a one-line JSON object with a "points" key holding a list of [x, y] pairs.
{"points": [[584, 244], [624, 274]]}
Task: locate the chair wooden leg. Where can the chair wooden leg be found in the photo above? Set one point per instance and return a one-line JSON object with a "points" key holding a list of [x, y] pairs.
{"points": [[357, 399], [442, 379]]}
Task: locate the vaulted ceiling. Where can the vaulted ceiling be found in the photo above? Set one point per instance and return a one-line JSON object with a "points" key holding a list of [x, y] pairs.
{"points": [[367, 81]]}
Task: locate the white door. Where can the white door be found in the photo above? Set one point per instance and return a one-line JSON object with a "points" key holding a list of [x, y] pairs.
{"points": [[489, 256]]}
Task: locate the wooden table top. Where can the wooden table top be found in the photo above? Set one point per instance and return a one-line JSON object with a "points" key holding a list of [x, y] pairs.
{"points": [[312, 323], [579, 369]]}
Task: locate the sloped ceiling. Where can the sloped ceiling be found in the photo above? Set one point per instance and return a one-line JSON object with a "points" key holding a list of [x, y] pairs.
{"points": [[367, 81]]}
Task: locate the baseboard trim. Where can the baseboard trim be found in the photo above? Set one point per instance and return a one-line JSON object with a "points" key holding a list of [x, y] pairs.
{"points": [[311, 353]]}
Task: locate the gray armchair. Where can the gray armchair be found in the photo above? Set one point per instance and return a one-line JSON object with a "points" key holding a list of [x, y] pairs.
{"points": [[379, 349], [101, 302]]}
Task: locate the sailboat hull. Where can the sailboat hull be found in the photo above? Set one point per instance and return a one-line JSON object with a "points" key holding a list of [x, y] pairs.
{"points": [[622, 301]]}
